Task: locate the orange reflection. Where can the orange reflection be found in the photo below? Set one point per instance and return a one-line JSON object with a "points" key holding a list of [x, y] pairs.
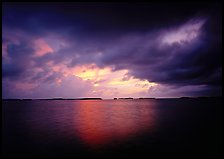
{"points": [[104, 122]]}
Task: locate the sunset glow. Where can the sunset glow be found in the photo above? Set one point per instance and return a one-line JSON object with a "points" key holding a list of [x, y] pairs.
{"points": [[69, 52], [115, 81], [95, 80], [94, 131]]}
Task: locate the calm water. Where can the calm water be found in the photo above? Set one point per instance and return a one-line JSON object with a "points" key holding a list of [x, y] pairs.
{"points": [[165, 127]]}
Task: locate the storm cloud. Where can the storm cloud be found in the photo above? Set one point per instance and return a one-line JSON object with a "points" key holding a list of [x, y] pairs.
{"points": [[176, 45]]}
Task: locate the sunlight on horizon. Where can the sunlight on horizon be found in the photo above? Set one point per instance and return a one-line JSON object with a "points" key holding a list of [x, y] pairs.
{"points": [[109, 83]]}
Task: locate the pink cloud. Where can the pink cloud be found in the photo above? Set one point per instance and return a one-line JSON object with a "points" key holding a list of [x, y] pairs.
{"points": [[42, 48]]}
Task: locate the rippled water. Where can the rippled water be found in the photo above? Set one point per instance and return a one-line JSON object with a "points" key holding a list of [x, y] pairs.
{"points": [[111, 127]]}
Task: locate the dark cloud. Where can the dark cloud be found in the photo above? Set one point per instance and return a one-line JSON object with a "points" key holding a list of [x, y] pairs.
{"points": [[84, 19], [122, 36], [19, 60]]}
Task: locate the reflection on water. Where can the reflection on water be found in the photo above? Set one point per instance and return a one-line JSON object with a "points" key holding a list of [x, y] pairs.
{"points": [[112, 127], [103, 122], [94, 123]]}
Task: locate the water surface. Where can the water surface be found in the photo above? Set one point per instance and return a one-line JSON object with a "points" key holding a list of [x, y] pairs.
{"points": [[147, 127]]}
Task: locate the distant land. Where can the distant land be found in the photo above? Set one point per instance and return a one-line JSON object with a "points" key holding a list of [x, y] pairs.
{"points": [[126, 98], [53, 99], [29, 99], [147, 98]]}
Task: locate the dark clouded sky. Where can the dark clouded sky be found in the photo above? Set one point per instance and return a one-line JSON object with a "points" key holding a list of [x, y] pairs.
{"points": [[111, 49]]}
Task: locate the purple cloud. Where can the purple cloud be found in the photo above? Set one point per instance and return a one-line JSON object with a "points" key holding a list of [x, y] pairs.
{"points": [[183, 55]]}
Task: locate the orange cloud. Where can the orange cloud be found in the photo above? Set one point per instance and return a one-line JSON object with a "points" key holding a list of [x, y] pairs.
{"points": [[108, 83], [91, 72], [105, 82]]}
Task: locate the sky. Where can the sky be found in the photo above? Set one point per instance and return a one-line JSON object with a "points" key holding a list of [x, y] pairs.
{"points": [[107, 50]]}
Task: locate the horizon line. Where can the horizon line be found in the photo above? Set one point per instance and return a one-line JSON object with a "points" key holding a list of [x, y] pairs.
{"points": [[116, 98]]}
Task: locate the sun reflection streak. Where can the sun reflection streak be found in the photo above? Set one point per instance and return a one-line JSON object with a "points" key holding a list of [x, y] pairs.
{"points": [[106, 122]]}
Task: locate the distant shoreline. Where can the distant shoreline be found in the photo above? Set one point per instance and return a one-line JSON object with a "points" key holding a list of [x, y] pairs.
{"points": [[53, 99], [28, 99]]}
